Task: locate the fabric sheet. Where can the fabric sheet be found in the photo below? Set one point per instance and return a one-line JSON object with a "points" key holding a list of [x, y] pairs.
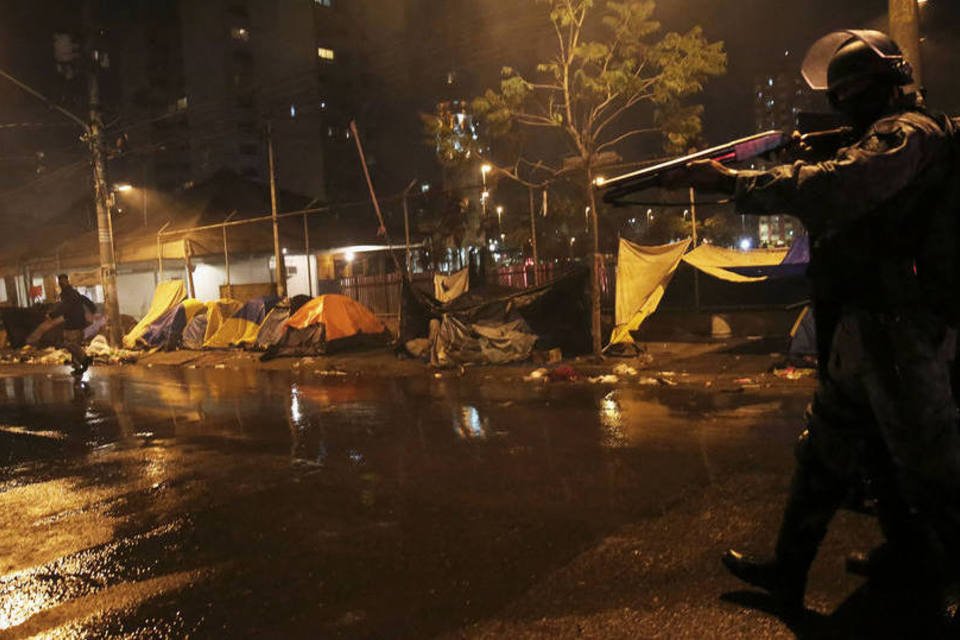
{"points": [[642, 278], [450, 287], [718, 261], [167, 295]]}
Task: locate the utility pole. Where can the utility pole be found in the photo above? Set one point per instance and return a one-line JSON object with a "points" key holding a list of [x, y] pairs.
{"points": [[94, 138], [406, 221], [277, 254], [905, 29], [533, 240]]}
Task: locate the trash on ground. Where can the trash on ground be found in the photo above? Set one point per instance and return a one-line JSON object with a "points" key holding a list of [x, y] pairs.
{"points": [[564, 373], [794, 373], [744, 381], [648, 381], [334, 373], [625, 371], [607, 379], [539, 375]]}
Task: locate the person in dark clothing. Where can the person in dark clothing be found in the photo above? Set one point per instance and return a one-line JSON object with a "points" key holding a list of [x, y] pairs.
{"points": [[74, 307], [884, 266]]}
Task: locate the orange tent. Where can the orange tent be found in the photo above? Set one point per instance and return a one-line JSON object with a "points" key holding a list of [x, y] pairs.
{"points": [[342, 317]]}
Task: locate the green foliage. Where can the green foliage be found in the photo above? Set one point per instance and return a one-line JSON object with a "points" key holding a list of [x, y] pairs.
{"points": [[589, 87]]}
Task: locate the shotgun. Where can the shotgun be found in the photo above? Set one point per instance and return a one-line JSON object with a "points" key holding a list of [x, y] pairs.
{"points": [[615, 190]]}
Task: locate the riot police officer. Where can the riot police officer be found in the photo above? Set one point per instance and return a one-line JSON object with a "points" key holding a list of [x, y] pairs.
{"points": [[883, 212]]}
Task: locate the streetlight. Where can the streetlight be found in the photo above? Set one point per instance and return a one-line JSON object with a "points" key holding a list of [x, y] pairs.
{"points": [[499, 215], [122, 187], [484, 170]]}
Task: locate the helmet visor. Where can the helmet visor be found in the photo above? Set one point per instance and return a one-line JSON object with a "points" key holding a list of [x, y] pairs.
{"points": [[818, 58]]}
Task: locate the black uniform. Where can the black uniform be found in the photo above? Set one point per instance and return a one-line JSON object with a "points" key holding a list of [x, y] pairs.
{"points": [[884, 264]]}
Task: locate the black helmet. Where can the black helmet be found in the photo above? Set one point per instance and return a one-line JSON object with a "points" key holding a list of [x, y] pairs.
{"points": [[847, 62]]}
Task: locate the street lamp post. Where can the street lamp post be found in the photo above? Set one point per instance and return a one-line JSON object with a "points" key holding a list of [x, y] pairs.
{"points": [[485, 195]]}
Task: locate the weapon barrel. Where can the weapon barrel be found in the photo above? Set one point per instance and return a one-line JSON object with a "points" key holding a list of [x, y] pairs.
{"points": [[737, 151]]}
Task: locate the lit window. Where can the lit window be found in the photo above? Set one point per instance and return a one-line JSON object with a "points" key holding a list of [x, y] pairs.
{"points": [[239, 33], [293, 111], [326, 54], [182, 103]]}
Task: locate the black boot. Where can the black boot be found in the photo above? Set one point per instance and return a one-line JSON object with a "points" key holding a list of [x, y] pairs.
{"points": [[787, 586]]}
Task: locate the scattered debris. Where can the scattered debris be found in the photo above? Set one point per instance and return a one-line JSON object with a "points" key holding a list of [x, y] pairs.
{"points": [[553, 356], [607, 379], [624, 371], [332, 373], [564, 373], [102, 352], [539, 375], [744, 381], [794, 373], [648, 381]]}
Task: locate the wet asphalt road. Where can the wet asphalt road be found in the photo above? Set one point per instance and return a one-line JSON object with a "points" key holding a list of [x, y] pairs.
{"points": [[169, 503]]}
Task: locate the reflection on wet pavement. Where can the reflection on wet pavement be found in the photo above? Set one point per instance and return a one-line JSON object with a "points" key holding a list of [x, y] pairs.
{"points": [[243, 504]]}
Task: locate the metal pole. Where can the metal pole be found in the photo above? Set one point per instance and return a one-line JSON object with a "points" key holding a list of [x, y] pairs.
{"points": [[160, 253], [191, 290], [406, 221], [595, 320], [226, 261], [277, 254], [905, 29], [696, 272], [108, 266], [533, 240], [306, 249]]}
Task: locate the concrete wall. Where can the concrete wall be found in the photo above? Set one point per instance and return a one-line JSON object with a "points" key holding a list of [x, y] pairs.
{"points": [[135, 292]]}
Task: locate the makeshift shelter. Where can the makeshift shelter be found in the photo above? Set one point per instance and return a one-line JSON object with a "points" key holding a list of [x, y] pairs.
{"points": [[447, 288], [167, 296], [272, 328], [326, 323], [803, 336], [193, 335], [167, 330], [207, 321], [557, 313], [485, 342], [721, 262], [643, 274], [241, 328]]}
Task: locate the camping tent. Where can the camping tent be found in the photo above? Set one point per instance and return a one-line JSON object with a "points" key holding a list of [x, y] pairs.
{"points": [[167, 295], [272, 327], [241, 328], [643, 274], [326, 322]]}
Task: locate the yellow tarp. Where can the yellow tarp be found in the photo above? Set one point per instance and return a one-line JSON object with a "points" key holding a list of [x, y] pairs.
{"points": [[716, 261], [341, 316], [167, 295], [643, 274], [193, 307], [450, 287], [219, 315]]}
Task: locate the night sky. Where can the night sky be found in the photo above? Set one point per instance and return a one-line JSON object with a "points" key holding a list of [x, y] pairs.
{"points": [[494, 33]]}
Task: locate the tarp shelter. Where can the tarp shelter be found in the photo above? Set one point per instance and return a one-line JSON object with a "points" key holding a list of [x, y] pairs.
{"points": [[272, 327], [721, 262], [207, 321], [447, 288], [167, 330], [241, 329], [327, 322], [167, 295], [558, 313], [803, 336], [486, 342], [643, 274]]}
